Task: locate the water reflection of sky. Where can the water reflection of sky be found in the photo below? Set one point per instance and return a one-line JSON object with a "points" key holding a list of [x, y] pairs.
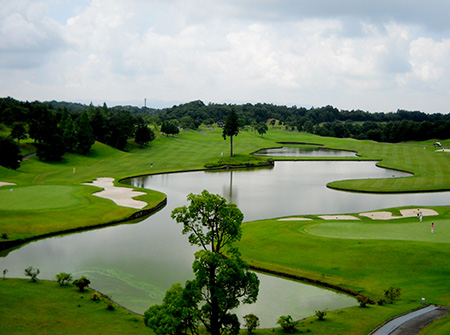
{"points": [[304, 152]]}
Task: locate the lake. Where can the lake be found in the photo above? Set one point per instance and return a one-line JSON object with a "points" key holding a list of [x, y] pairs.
{"points": [[137, 263]]}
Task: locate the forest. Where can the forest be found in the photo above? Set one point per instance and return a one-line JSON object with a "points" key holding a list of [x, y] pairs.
{"points": [[59, 127]]}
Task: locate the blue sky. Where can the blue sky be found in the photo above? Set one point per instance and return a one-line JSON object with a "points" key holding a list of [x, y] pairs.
{"points": [[352, 54]]}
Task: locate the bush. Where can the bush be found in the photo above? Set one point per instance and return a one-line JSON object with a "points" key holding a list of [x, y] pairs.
{"points": [[82, 283], [381, 302], [32, 273], [363, 300], [287, 323], [251, 322], [96, 296], [4, 236], [63, 278], [392, 293], [109, 303], [321, 314]]}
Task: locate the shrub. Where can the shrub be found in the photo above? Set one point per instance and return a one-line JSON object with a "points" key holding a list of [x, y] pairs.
{"points": [[321, 314], [109, 303], [63, 278], [392, 293], [82, 283], [251, 322], [287, 323], [96, 296], [4, 236], [32, 273], [363, 300], [381, 302]]}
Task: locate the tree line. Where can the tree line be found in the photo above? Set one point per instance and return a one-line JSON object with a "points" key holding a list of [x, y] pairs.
{"points": [[59, 127], [329, 121]]}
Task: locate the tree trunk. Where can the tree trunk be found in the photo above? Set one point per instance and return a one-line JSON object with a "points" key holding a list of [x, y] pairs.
{"points": [[214, 320], [231, 146]]}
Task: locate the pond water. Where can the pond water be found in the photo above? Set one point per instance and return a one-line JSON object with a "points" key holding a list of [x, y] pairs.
{"points": [[304, 152], [137, 263]]}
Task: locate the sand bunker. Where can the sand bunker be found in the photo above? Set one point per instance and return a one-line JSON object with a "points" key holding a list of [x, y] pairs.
{"points": [[295, 219], [122, 196], [3, 183], [412, 212], [443, 150], [338, 217]]}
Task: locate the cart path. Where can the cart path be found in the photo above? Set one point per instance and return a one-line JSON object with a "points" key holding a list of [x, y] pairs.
{"points": [[412, 323]]}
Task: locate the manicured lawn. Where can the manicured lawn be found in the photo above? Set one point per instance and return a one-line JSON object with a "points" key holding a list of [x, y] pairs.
{"points": [[51, 198], [366, 255]]}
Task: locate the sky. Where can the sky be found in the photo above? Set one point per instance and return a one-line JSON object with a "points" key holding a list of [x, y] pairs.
{"points": [[378, 56]]}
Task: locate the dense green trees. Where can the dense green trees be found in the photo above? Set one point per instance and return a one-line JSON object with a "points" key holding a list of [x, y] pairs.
{"points": [[143, 134], [19, 131], [71, 127], [222, 278], [170, 127], [115, 126], [10, 153], [84, 135]]}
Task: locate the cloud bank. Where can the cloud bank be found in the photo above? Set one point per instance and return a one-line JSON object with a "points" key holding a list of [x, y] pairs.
{"points": [[376, 56]]}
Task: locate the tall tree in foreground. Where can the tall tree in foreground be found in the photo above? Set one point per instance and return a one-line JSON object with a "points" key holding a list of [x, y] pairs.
{"points": [[231, 128], [222, 278]]}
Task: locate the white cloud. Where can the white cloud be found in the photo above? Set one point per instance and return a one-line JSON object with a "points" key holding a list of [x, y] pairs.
{"points": [[374, 56]]}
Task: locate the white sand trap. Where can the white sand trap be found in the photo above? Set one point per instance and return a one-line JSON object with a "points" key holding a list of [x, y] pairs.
{"points": [[294, 219], [122, 196], [338, 217], [4, 183], [443, 150], [412, 212]]}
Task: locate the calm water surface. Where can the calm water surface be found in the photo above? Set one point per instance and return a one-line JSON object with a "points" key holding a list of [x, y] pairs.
{"points": [[301, 152], [137, 263]]}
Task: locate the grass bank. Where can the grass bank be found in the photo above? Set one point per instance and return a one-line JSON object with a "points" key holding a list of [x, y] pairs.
{"points": [[44, 307], [364, 255]]}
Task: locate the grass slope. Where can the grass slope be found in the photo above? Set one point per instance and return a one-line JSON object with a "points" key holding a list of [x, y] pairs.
{"points": [[44, 307]]}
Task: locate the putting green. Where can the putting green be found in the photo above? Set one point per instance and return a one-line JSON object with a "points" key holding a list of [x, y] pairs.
{"points": [[39, 197], [415, 231]]}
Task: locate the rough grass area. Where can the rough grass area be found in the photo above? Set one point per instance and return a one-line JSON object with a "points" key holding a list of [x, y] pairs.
{"points": [[440, 327], [45, 307]]}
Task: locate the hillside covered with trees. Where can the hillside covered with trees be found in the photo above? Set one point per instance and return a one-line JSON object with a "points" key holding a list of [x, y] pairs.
{"points": [[59, 127]]}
